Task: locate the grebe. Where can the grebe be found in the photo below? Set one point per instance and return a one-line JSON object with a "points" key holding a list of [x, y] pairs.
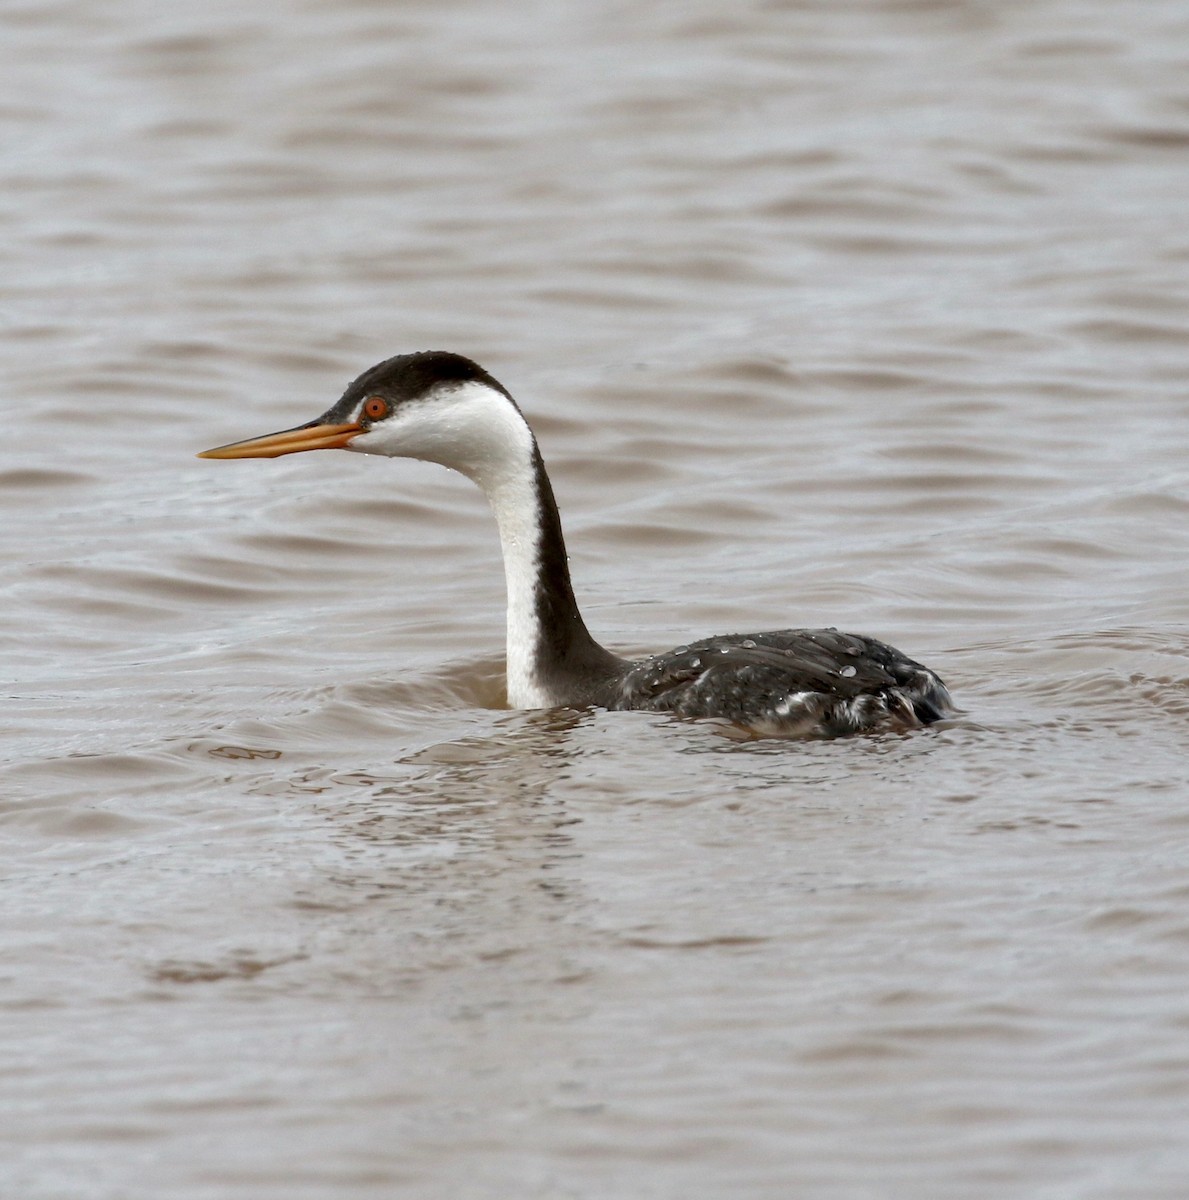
{"points": [[443, 408]]}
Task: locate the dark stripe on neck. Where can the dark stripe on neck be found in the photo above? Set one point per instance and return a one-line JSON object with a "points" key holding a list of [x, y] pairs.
{"points": [[568, 660]]}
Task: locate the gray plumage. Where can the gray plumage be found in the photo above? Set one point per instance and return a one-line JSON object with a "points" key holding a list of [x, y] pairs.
{"points": [[791, 682]]}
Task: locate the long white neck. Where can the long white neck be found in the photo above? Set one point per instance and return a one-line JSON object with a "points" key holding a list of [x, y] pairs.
{"points": [[552, 659], [479, 431], [517, 508]]}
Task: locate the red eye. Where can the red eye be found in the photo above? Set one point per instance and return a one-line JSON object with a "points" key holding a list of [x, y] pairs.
{"points": [[375, 408]]}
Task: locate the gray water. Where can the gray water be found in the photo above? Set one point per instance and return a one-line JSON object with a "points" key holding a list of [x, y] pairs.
{"points": [[857, 314]]}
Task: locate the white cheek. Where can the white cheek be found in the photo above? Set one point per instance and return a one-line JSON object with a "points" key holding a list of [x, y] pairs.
{"points": [[407, 434], [471, 429]]}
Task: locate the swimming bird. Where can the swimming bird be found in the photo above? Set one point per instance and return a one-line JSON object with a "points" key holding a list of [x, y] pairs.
{"points": [[443, 408]]}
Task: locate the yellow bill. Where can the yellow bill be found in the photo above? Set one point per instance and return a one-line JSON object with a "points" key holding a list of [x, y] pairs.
{"points": [[289, 441]]}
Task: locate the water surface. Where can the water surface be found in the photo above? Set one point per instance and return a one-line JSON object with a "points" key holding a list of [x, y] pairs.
{"points": [[869, 315]]}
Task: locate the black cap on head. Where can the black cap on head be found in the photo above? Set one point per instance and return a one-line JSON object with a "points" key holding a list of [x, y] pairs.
{"points": [[407, 376]]}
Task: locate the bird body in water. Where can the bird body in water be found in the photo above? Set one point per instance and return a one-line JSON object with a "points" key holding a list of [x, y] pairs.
{"points": [[440, 407]]}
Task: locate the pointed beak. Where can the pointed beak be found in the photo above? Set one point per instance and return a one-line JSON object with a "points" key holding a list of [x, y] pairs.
{"points": [[289, 441]]}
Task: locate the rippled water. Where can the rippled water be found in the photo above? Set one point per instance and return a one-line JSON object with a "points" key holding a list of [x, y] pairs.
{"points": [[867, 314]]}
